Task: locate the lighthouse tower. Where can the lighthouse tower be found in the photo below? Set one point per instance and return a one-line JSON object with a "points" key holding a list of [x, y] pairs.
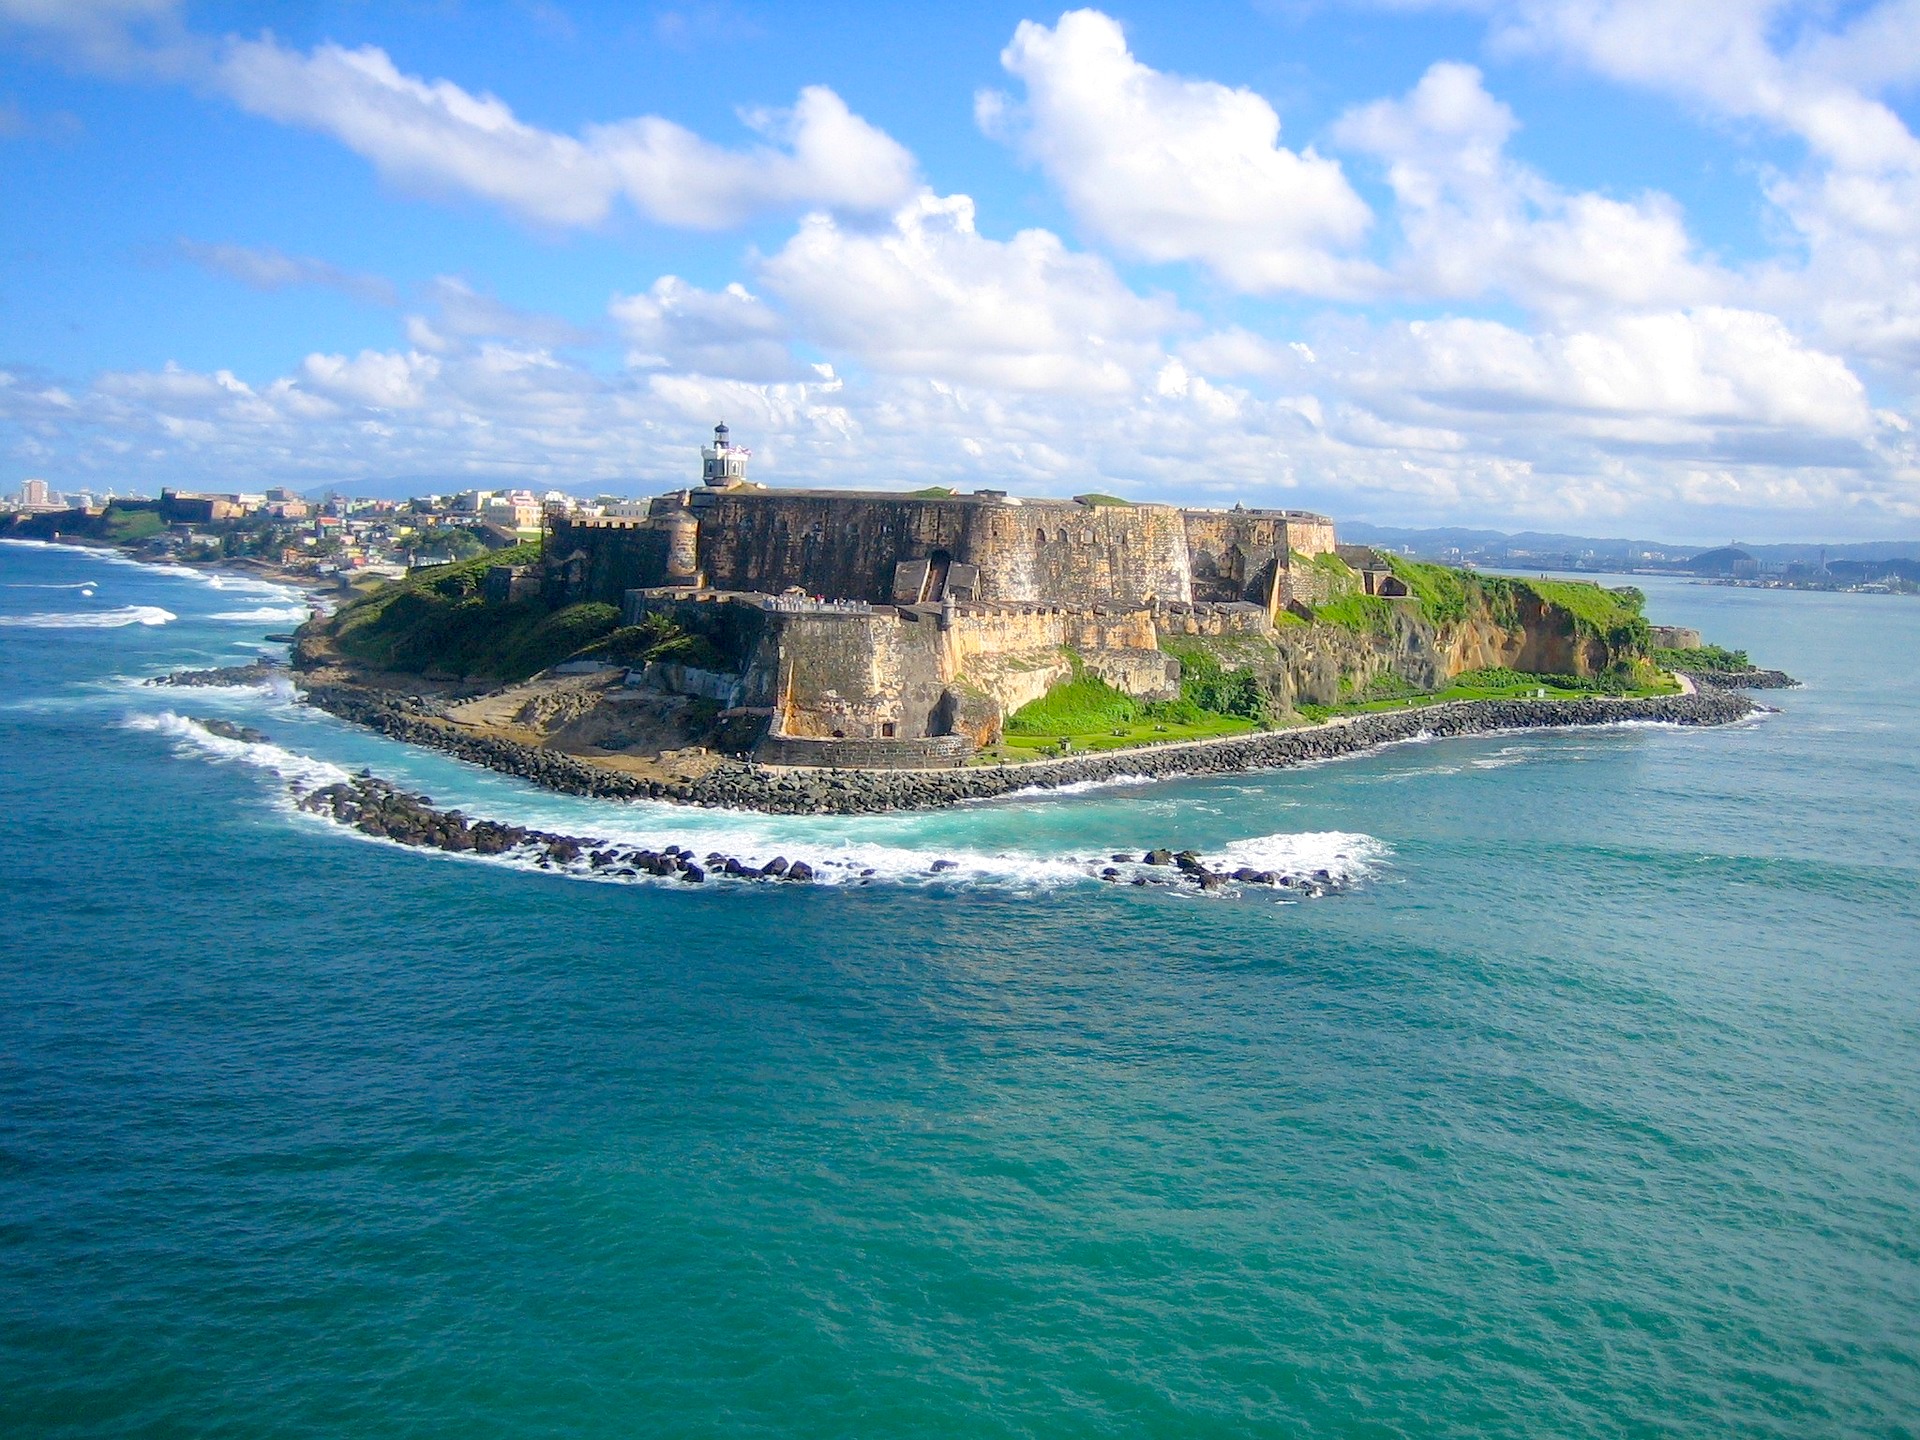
{"points": [[723, 463]]}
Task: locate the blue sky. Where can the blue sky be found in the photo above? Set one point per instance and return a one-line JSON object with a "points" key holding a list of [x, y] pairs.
{"points": [[1602, 265]]}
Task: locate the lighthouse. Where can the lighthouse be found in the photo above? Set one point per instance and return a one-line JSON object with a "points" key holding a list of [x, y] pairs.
{"points": [[723, 463]]}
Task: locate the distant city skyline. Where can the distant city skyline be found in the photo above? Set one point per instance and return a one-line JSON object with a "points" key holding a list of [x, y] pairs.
{"points": [[1575, 265]]}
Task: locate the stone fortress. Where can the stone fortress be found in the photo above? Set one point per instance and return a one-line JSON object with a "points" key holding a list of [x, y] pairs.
{"points": [[877, 628]]}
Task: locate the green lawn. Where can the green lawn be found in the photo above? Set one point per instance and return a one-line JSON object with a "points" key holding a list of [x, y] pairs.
{"points": [[1469, 687], [1135, 732]]}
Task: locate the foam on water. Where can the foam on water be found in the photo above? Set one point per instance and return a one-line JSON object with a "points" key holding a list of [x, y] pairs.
{"points": [[92, 619], [1345, 855], [842, 851], [1080, 787], [91, 552], [264, 615], [302, 770]]}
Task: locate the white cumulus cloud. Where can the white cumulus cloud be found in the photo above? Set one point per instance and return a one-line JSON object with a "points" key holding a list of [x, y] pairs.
{"points": [[379, 379], [1168, 168], [930, 296], [728, 332], [437, 136], [1475, 221]]}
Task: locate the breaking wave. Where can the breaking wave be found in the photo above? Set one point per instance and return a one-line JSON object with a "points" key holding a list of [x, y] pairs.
{"points": [[1080, 787], [294, 768], [837, 859], [1347, 856], [93, 619], [264, 615]]}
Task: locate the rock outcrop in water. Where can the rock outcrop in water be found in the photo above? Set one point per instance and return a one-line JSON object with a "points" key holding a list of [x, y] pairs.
{"points": [[1751, 679], [854, 792], [374, 807], [261, 672], [228, 730]]}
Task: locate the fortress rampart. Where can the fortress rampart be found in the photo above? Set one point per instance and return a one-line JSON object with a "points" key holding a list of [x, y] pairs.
{"points": [[1247, 555], [944, 612], [870, 547], [884, 548]]}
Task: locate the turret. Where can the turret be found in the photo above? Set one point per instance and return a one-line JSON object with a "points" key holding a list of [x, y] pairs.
{"points": [[723, 463], [683, 548]]}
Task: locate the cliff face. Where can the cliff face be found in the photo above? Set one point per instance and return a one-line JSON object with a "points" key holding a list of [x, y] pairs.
{"points": [[1545, 640], [1322, 663]]}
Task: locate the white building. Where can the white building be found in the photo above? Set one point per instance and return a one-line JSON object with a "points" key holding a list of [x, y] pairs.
{"points": [[35, 495]]}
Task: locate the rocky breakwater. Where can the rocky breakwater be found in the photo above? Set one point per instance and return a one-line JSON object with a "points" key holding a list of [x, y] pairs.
{"points": [[374, 807], [1754, 679], [740, 785], [260, 672], [858, 791], [377, 808]]}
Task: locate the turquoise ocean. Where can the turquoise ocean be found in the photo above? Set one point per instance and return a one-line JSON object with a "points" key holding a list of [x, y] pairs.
{"points": [[1592, 1108]]}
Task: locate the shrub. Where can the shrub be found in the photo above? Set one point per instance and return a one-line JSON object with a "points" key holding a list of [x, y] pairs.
{"points": [[1703, 657], [1208, 687], [657, 637]]}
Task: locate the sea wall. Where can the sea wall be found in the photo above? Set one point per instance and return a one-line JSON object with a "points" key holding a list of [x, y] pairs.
{"points": [[756, 787], [1754, 679]]}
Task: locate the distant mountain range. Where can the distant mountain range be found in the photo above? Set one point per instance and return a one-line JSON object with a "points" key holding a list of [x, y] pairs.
{"points": [[1540, 544]]}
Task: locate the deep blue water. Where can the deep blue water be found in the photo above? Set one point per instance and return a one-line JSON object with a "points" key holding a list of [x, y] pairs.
{"points": [[1593, 1109]]}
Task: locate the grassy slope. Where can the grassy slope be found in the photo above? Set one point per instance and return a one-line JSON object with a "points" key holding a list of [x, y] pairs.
{"points": [[439, 621], [1493, 685], [1448, 596], [1090, 714]]}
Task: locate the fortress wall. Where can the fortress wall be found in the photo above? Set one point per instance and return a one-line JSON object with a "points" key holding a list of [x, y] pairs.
{"points": [[998, 630], [847, 546], [1309, 534], [1074, 554], [1017, 653], [860, 676], [1238, 618], [1236, 554], [1058, 552], [622, 555], [840, 546], [1144, 674], [1310, 585]]}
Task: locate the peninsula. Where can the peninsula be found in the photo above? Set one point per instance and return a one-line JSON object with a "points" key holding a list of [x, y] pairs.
{"points": [[821, 650]]}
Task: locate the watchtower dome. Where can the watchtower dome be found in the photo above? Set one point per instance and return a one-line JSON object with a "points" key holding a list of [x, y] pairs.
{"points": [[723, 463]]}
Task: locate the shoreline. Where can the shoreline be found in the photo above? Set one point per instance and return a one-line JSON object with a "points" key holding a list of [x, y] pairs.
{"points": [[779, 790], [793, 790], [243, 568]]}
